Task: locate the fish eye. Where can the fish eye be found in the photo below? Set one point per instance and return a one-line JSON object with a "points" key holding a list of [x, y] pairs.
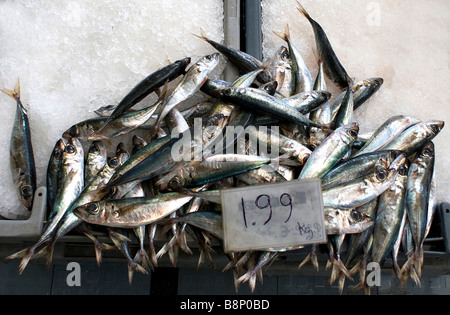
{"points": [[353, 133], [94, 149], [435, 128], [285, 55], [175, 183], [208, 57], [403, 170], [116, 214], [70, 148], [113, 162], [227, 92], [428, 152], [355, 215], [26, 191], [381, 174], [92, 208]]}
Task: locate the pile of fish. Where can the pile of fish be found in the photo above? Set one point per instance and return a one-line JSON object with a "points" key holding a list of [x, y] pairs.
{"points": [[378, 188]]}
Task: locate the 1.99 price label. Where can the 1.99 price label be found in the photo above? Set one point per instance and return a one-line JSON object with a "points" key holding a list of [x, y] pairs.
{"points": [[273, 216]]}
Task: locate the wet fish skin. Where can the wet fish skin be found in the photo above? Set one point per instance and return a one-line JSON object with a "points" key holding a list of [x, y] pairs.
{"points": [[362, 91], [361, 191], [131, 212], [21, 155], [332, 66], [322, 115], [95, 129], [303, 80], [255, 99], [283, 72], [191, 82], [306, 102], [242, 60], [330, 152], [95, 160], [210, 169], [386, 132], [415, 137], [355, 167], [390, 212], [210, 221], [345, 221], [148, 85], [53, 182], [418, 189]]}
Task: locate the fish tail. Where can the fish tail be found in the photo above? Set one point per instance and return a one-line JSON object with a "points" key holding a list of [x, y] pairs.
{"points": [[15, 94], [284, 36], [312, 257], [249, 277], [143, 259], [26, 254], [302, 10], [182, 242]]}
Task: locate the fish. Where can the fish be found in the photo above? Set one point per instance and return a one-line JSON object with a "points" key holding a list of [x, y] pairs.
{"points": [[95, 129], [330, 152], [284, 73], [387, 132], [95, 160], [21, 154], [148, 85], [345, 221], [321, 115], [362, 90], [94, 190], [362, 190], [390, 212], [191, 82], [241, 59], [418, 189], [131, 212], [254, 99], [306, 102], [303, 80], [210, 221], [210, 169], [344, 115], [286, 146], [415, 137], [122, 242], [332, 66], [356, 167], [53, 175]]}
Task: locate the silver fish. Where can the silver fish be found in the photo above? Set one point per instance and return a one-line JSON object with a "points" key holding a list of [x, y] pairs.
{"points": [[360, 191], [23, 167], [388, 131]]}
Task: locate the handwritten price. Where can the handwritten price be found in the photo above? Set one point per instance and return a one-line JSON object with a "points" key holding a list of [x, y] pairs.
{"points": [[259, 202]]}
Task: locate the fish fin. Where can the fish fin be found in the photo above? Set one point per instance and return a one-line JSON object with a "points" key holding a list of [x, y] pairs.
{"points": [[26, 254], [302, 10], [312, 257], [143, 259], [249, 277], [15, 94]]}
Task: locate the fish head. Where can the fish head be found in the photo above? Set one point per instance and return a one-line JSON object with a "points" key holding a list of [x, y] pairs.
{"points": [[92, 212], [349, 132], [346, 221], [434, 126], [322, 95], [208, 62], [282, 56], [185, 61], [73, 150], [171, 181], [270, 87], [26, 192]]}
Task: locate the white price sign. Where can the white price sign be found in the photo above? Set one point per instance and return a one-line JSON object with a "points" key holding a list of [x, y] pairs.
{"points": [[272, 216]]}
